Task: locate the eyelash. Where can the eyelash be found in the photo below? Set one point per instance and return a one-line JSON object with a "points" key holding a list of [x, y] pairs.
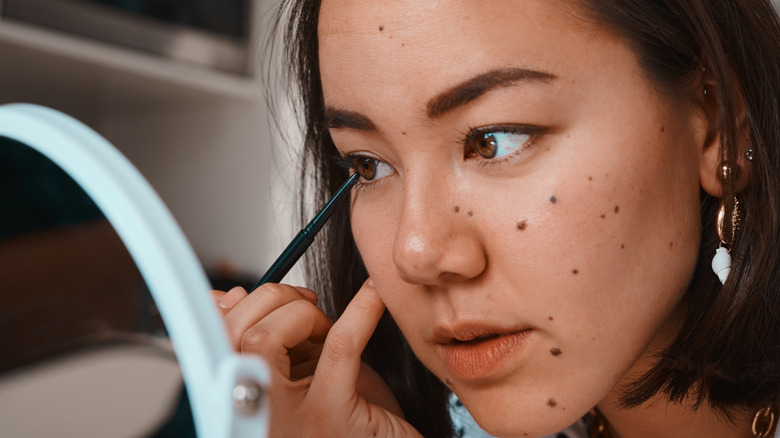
{"points": [[532, 131], [348, 161]]}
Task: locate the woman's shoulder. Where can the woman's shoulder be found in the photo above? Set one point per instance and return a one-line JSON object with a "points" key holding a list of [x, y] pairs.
{"points": [[465, 426]]}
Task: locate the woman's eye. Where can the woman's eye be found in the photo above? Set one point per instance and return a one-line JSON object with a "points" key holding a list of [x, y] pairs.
{"points": [[497, 141], [371, 169]]}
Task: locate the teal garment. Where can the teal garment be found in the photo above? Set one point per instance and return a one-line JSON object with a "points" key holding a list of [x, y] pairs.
{"points": [[465, 427]]}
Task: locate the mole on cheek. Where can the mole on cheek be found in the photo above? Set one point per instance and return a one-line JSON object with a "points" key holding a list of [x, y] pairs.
{"points": [[471, 213], [662, 129], [617, 209], [555, 351], [521, 225], [457, 209], [553, 199], [575, 271], [550, 318], [381, 28], [551, 402]]}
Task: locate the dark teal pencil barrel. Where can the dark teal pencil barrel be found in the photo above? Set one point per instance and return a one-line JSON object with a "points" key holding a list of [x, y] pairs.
{"points": [[305, 237]]}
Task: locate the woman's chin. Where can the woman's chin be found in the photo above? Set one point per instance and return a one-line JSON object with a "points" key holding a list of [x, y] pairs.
{"points": [[507, 420]]}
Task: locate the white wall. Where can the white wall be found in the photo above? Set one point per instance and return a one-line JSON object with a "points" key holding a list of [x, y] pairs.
{"points": [[201, 138]]}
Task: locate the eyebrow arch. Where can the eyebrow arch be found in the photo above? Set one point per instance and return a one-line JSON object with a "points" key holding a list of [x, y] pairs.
{"points": [[339, 118], [472, 88], [457, 96]]}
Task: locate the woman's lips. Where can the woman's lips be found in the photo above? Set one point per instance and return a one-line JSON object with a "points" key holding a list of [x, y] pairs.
{"points": [[477, 356]]}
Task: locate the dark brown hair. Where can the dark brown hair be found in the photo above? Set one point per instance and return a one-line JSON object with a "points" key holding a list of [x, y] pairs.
{"points": [[727, 353]]}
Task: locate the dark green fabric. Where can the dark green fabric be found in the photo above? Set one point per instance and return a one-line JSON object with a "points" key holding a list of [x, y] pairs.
{"points": [[181, 424], [35, 194]]}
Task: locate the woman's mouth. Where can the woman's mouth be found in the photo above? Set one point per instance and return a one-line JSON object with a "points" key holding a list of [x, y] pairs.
{"points": [[471, 355]]}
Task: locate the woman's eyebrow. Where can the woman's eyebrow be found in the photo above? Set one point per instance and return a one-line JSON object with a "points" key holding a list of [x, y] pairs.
{"points": [[472, 88], [447, 101], [339, 118]]}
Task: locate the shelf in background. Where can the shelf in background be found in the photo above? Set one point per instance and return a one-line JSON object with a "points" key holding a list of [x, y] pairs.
{"points": [[200, 136], [31, 54]]}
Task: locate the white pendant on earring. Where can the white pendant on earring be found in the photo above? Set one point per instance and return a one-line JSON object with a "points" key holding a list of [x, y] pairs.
{"points": [[721, 263]]}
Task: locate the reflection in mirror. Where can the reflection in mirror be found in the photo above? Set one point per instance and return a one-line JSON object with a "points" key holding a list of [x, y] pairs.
{"points": [[83, 351]]}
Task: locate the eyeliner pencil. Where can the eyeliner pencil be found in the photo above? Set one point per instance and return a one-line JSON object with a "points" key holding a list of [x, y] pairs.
{"points": [[305, 237]]}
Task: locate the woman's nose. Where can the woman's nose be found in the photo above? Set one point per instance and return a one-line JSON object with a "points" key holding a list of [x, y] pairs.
{"points": [[437, 240]]}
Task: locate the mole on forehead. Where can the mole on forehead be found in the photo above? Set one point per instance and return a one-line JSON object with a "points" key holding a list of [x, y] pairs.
{"points": [[417, 19]]}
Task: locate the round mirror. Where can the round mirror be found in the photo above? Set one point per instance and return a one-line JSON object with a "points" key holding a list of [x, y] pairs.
{"points": [[83, 346], [105, 312]]}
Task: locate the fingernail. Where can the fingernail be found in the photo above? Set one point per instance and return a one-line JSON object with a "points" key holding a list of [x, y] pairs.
{"points": [[231, 298]]}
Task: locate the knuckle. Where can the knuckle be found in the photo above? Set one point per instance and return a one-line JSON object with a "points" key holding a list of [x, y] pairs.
{"points": [[310, 312], [256, 340], [274, 291], [340, 346], [281, 293], [304, 307]]}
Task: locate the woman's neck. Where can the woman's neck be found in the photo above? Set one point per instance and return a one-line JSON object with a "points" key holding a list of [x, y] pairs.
{"points": [[658, 418]]}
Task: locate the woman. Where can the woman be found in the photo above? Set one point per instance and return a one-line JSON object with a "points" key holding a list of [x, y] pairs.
{"points": [[537, 213]]}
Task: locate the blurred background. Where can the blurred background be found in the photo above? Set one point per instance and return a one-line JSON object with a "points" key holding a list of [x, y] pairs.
{"points": [[174, 85]]}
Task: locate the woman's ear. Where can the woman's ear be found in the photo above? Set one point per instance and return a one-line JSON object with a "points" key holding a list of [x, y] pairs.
{"points": [[711, 166]]}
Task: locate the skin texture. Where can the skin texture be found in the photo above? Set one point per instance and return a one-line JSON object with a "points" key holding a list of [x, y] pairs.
{"points": [[586, 236], [576, 246], [343, 397]]}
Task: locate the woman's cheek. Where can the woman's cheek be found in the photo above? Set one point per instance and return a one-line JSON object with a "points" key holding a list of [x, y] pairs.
{"points": [[374, 221]]}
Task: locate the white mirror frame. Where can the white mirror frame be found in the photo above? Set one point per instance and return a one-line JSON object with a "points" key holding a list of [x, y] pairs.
{"points": [[215, 376]]}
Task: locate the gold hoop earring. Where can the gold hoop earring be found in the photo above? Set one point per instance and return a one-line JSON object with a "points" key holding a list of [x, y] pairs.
{"points": [[727, 225], [764, 421], [729, 220]]}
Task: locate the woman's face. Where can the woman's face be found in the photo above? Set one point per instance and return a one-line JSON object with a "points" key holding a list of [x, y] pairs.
{"points": [[534, 217]]}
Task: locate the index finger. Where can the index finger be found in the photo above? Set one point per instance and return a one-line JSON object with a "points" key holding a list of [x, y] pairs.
{"points": [[339, 366]]}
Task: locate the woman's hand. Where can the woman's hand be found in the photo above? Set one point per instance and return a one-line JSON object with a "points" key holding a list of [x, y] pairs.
{"points": [[253, 324], [319, 386]]}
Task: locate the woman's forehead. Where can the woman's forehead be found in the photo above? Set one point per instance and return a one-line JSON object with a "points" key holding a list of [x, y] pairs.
{"points": [[423, 48], [334, 14], [435, 33]]}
